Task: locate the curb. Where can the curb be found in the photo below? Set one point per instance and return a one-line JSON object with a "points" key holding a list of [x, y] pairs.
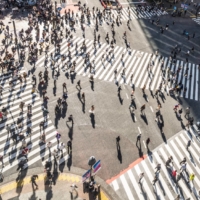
{"points": [[74, 170]]}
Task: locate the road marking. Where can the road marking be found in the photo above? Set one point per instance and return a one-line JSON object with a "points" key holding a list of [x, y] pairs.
{"points": [[126, 188], [139, 130], [144, 144], [132, 3], [115, 185], [135, 118], [151, 108], [127, 96], [127, 169]]}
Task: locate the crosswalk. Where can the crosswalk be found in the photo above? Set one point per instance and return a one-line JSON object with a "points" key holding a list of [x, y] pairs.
{"points": [[141, 14], [197, 20], [134, 62], [38, 152], [127, 187]]}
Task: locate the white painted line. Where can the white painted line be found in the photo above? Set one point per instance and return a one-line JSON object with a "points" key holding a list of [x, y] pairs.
{"points": [[166, 188], [142, 72], [108, 67], [183, 186], [139, 129], [115, 64], [144, 183], [191, 149], [197, 84], [151, 108], [135, 184], [190, 170], [151, 177], [127, 96], [154, 67], [126, 188], [192, 81], [144, 144], [183, 80], [139, 67], [125, 80], [188, 81], [115, 185]]}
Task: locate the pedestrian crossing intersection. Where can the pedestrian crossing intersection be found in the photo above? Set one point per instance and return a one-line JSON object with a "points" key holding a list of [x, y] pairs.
{"points": [[197, 20], [20, 124], [127, 187], [134, 63], [134, 14]]}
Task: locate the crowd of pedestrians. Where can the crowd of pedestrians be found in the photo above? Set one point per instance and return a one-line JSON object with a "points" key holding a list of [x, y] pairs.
{"points": [[51, 29]]}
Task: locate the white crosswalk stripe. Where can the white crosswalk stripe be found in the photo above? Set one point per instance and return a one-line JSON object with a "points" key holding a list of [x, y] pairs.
{"points": [[124, 16], [135, 63], [197, 20], [37, 151], [127, 187]]}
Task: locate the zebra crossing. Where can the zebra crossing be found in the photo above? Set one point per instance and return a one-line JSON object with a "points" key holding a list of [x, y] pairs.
{"points": [[197, 20], [134, 14], [127, 187], [38, 151], [134, 62]]}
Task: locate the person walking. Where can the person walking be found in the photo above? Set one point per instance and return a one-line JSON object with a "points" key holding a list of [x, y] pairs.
{"points": [[170, 160], [138, 137], [187, 112], [1, 160], [70, 119], [178, 197], [8, 128], [192, 176], [92, 109], [83, 97], [140, 177], [55, 153], [78, 86], [174, 175], [58, 136], [69, 146], [158, 168], [188, 145], [61, 147], [142, 109], [143, 89], [49, 145], [155, 180], [73, 186], [183, 167], [183, 161], [147, 142], [33, 181]]}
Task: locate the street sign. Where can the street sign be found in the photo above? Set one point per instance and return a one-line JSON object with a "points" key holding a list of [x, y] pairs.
{"points": [[97, 166], [185, 6], [86, 176]]}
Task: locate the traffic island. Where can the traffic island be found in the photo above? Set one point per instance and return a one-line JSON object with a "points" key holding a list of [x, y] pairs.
{"points": [[66, 185]]}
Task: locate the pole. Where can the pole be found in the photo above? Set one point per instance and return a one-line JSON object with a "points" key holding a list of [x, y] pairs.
{"points": [[90, 172], [55, 6]]}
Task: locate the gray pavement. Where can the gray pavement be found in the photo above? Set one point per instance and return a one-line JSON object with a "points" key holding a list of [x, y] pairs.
{"points": [[113, 118]]}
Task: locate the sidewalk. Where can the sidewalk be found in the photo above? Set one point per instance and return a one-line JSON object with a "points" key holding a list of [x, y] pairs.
{"points": [[24, 190]]}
